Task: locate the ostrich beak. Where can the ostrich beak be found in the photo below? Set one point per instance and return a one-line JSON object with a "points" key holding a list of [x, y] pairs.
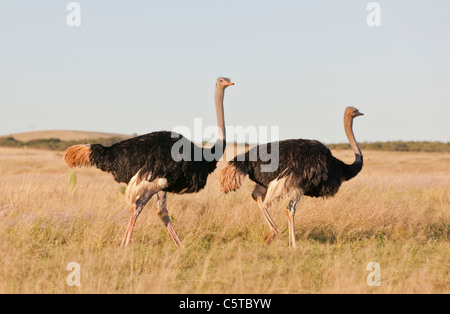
{"points": [[228, 83], [359, 114]]}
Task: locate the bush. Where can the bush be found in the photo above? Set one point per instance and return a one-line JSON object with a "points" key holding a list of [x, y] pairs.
{"points": [[399, 146], [57, 144], [54, 143]]}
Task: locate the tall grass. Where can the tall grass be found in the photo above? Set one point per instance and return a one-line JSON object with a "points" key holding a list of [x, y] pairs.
{"points": [[395, 213]]}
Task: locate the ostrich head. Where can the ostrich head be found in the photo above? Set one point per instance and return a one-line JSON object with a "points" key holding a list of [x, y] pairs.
{"points": [[352, 112], [223, 82]]}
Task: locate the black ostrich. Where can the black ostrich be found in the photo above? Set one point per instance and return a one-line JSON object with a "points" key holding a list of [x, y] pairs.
{"points": [[305, 167], [156, 163]]}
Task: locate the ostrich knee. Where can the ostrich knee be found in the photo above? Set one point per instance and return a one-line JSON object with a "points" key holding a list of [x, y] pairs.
{"points": [[163, 214]]}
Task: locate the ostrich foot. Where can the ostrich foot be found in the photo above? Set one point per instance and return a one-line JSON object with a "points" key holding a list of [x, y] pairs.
{"points": [[268, 238]]}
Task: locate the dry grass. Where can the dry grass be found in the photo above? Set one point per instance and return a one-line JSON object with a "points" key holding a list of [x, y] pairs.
{"points": [[395, 213]]}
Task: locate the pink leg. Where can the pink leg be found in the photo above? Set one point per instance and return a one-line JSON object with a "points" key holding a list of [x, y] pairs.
{"points": [[136, 209], [259, 195], [129, 231], [290, 212], [163, 214]]}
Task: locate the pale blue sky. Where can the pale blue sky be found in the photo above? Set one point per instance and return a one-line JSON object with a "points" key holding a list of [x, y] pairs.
{"points": [[143, 66]]}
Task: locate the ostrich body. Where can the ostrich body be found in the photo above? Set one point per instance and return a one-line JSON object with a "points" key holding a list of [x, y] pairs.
{"points": [[146, 164], [305, 167]]}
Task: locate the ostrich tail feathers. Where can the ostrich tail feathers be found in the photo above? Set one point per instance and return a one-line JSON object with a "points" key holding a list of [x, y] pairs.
{"points": [[78, 156], [230, 178]]}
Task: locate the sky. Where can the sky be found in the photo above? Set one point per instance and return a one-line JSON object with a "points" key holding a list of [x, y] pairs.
{"points": [[135, 67]]}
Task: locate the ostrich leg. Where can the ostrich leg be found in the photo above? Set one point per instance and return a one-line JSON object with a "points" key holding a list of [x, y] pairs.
{"points": [[290, 212], [136, 209], [259, 195], [163, 214], [268, 238]]}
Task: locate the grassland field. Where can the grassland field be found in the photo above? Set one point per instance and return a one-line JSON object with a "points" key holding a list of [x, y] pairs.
{"points": [[396, 213]]}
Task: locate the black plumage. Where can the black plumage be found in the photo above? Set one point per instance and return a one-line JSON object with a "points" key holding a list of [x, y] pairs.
{"points": [[151, 156], [308, 164]]}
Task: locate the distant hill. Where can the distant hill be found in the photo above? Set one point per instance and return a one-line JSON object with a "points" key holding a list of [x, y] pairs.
{"points": [[63, 135], [62, 139], [59, 139]]}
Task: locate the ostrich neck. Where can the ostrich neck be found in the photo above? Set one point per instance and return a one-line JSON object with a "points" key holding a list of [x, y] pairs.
{"points": [[220, 116], [353, 169], [348, 125], [219, 147]]}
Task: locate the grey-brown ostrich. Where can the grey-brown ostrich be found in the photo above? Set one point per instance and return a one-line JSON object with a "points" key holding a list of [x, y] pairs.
{"points": [[305, 167]]}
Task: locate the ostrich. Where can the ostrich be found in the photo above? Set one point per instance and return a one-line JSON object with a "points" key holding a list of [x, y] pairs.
{"points": [[305, 167], [149, 165]]}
